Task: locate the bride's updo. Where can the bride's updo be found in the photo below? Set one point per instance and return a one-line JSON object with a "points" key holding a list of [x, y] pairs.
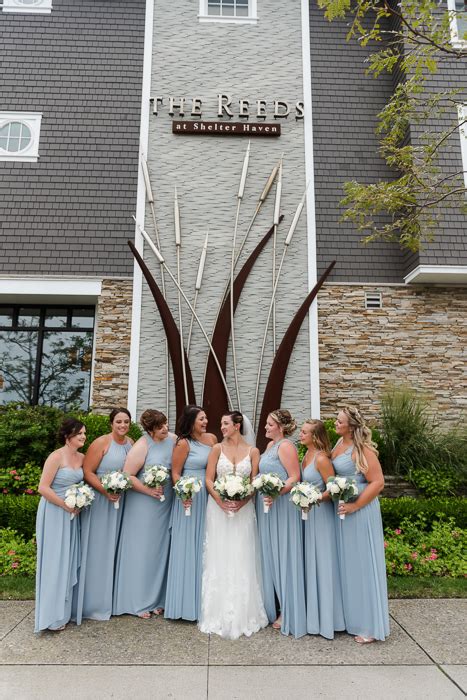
{"points": [[237, 419], [284, 420]]}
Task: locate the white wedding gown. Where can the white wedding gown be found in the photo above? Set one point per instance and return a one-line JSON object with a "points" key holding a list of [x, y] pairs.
{"points": [[231, 597]]}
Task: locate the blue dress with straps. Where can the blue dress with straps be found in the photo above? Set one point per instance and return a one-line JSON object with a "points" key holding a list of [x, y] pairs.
{"points": [[281, 545], [143, 548], [58, 555], [186, 555], [324, 613], [360, 548], [100, 529]]}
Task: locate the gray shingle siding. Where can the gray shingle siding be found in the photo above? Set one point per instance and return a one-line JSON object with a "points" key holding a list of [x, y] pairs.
{"points": [[81, 66]]}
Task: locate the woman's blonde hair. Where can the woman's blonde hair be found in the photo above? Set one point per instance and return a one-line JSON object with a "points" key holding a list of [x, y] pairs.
{"points": [[284, 420], [319, 435], [361, 436]]}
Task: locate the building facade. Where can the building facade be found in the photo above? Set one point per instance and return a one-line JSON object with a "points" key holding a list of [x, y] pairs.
{"points": [[169, 113]]}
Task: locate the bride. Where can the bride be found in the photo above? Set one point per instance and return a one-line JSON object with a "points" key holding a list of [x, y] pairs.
{"points": [[231, 597]]}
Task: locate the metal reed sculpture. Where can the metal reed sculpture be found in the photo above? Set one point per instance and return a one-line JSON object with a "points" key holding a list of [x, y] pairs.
{"points": [[216, 397]]}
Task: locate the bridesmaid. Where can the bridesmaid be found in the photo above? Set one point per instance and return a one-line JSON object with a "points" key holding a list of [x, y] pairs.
{"points": [[360, 541], [58, 537], [190, 458], [324, 613], [100, 524], [143, 549], [280, 532]]}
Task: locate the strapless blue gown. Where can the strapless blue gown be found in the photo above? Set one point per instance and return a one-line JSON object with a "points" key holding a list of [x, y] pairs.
{"points": [[100, 529], [183, 598], [143, 549], [281, 545], [58, 556], [324, 612], [360, 547]]}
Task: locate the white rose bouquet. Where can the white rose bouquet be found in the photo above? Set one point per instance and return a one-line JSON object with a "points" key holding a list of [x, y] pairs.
{"points": [[233, 487], [156, 475], [269, 484], [116, 482], [342, 490], [304, 495], [79, 496], [186, 487]]}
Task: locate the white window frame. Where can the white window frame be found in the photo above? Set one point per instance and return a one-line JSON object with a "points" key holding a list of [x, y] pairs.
{"points": [[43, 7], [462, 109], [33, 122], [205, 17], [456, 41]]}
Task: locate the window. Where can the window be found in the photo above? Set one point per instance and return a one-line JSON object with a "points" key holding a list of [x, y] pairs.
{"points": [[238, 11], [46, 354], [458, 9], [28, 6], [463, 137], [19, 136]]}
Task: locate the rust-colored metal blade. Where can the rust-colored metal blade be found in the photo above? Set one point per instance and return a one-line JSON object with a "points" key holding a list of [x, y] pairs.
{"points": [[275, 384], [173, 337]]}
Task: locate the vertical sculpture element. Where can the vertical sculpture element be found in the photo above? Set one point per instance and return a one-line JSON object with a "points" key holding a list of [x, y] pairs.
{"points": [[214, 397], [173, 338], [275, 384]]}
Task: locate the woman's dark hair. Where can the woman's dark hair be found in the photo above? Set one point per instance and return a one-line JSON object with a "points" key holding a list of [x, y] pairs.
{"points": [[68, 429], [237, 418], [152, 420], [186, 421], [115, 413]]}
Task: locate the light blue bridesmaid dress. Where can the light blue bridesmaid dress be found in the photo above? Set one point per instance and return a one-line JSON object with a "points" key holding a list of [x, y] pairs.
{"points": [[186, 555], [324, 613], [143, 548], [58, 556], [360, 547], [100, 528], [281, 545]]}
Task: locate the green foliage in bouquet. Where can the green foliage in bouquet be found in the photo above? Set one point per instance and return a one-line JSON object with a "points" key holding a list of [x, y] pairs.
{"points": [[17, 556]]}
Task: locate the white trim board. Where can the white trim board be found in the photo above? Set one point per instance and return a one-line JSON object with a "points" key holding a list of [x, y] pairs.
{"points": [[437, 274], [45, 289]]}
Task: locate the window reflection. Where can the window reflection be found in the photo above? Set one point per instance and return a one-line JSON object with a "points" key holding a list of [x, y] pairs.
{"points": [[18, 359]]}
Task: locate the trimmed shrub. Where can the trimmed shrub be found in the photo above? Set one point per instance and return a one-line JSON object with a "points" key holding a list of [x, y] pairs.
{"points": [[19, 513], [394, 510], [22, 480], [97, 425], [28, 434]]}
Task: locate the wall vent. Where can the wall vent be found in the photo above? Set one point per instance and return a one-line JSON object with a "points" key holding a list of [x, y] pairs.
{"points": [[373, 300]]}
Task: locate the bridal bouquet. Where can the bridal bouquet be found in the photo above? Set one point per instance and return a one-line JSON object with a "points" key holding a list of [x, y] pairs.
{"points": [[116, 482], [186, 487], [304, 495], [156, 475], [79, 496], [268, 485], [232, 487], [342, 490]]}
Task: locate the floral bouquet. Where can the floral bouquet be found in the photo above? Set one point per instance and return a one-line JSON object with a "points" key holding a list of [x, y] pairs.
{"points": [[116, 482], [342, 490], [304, 495], [269, 484], [156, 475], [186, 487], [79, 496], [232, 487]]}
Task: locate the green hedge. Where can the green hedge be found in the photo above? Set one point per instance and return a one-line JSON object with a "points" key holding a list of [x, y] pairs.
{"points": [[19, 513], [394, 510]]}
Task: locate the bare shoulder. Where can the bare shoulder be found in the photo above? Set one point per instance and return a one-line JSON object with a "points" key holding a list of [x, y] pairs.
{"points": [[55, 459], [287, 447], [101, 444], [254, 452], [322, 460], [182, 445], [212, 439]]}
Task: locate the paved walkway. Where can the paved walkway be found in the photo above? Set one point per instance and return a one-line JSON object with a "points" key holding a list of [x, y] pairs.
{"points": [[131, 658]]}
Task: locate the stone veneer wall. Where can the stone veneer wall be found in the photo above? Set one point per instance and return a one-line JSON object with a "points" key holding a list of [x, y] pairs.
{"points": [[418, 338], [112, 345]]}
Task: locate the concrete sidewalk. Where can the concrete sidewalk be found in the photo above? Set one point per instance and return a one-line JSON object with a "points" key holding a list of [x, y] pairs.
{"points": [[129, 657]]}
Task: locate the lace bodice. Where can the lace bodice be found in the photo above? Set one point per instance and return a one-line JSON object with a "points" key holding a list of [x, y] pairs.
{"points": [[225, 466]]}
